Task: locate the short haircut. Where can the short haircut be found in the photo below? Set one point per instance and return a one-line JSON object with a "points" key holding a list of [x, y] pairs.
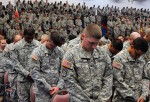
{"points": [[57, 38], [29, 31], [140, 44], [117, 44], [134, 35], [148, 31], [93, 30]]}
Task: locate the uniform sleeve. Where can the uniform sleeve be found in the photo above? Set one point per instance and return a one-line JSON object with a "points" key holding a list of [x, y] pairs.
{"points": [[119, 83], [61, 83], [35, 64], [17, 66], [69, 75], [145, 81], [106, 91]]}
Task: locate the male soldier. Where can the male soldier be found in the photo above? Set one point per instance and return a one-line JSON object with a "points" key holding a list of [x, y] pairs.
{"points": [[3, 44], [147, 67], [44, 38], [105, 39], [113, 48], [2, 70], [20, 56], [147, 38], [130, 82], [45, 66], [133, 36], [86, 69], [12, 76]]}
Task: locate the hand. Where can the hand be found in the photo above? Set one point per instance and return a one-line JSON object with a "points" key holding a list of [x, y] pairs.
{"points": [[29, 78], [141, 99], [54, 90]]}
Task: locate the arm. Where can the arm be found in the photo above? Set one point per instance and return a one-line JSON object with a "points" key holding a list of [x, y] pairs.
{"points": [[145, 81], [17, 65], [35, 64], [106, 91], [119, 83]]}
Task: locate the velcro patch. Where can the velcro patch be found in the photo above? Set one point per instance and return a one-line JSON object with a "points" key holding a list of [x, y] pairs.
{"points": [[116, 65], [66, 64]]}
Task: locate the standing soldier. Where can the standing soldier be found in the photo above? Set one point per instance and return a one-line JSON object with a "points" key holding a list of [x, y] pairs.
{"points": [[20, 56], [45, 66], [86, 69], [130, 82]]}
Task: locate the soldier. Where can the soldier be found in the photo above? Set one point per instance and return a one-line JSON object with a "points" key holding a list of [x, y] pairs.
{"points": [[133, 36], [116, 30], [86, 69], [39, 33], [113, 48], [147, 38], [20, 56], [105, 39], [44, 38], [78, 23], [3, 44], [130, 82], [12, 76], [45, 65], [2, 69]]}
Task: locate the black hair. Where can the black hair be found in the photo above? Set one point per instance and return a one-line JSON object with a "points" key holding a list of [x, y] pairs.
{"points": [[57, 38], [140, 44], [29, 31], [117, 44]]}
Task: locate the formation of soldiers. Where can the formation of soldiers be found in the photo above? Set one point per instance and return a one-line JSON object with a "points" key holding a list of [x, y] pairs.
{"points": [[41, 52]]}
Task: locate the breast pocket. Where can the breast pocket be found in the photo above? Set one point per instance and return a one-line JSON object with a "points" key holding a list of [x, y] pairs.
{"points": [[100, 66], [45, 65], [82, 70], [22, 55]]}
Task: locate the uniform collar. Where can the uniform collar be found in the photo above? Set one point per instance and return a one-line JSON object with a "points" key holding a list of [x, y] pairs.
{"points": [[130, 59], [87, 55]]}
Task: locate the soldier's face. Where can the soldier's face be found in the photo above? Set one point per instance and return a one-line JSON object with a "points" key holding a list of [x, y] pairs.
{"points": [[29, 38], [50, 44], [148, 38], [89, 43], [3, 44], [137, 53]]}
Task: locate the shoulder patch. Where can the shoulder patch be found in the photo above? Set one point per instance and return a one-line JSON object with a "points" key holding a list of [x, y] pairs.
{"points": [[34, 57], [66, 64], [116, 65]]}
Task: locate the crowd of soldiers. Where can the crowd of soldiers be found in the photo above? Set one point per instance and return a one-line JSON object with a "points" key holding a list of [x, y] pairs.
{"points": [[60, 46]]}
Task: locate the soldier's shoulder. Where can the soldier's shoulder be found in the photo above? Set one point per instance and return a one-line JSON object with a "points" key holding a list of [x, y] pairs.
{"points": [[18, 45], [36, 42]]}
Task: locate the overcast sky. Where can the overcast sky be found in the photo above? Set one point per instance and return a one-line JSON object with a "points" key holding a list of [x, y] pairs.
{"points": [[122, 3]]}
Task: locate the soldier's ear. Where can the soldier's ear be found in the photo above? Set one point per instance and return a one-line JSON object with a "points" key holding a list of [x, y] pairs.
{"points": [[82, 36]]}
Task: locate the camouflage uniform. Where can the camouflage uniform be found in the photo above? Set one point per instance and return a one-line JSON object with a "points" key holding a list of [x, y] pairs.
{"points": [[12, 74], [129, 79], [147, 54], [20, 56], [45, 65], [105, 48], [71, 43], [105, 41], [126, 45], [88, 78], [2, 71]]}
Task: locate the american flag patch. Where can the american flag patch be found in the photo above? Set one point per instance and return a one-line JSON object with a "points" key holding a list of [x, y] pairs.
{"points": [[66, 64]]}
